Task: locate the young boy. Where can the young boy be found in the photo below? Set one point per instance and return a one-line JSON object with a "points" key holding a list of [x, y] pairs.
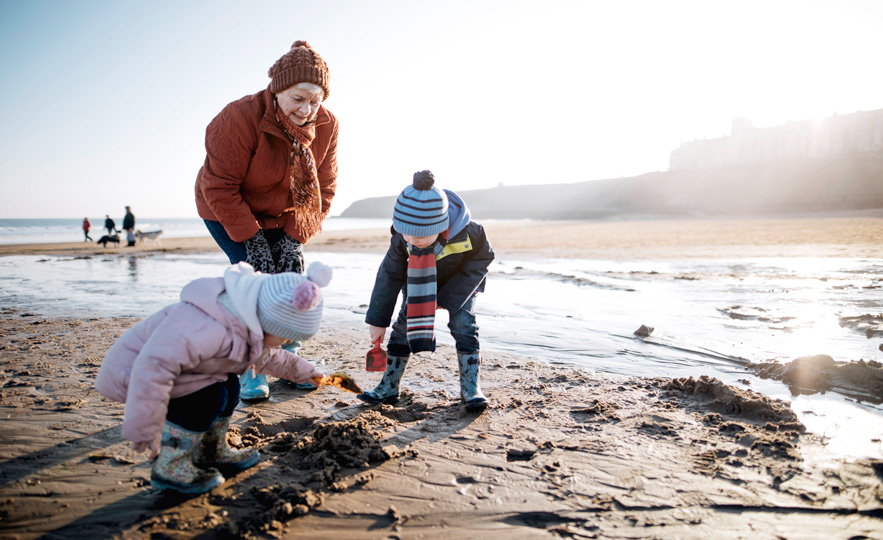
{"points": [[437, 258]]}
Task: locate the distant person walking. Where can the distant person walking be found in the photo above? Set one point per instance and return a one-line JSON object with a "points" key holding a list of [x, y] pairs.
{"points": [[129, 227], [87, 226], [270, 172], [109, 224]]}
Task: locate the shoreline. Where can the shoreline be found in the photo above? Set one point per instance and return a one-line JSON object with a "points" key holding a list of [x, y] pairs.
{"points": [[854, 236]]}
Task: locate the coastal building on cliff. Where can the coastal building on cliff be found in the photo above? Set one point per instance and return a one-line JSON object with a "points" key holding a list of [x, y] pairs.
{"points": [[835, 136]]}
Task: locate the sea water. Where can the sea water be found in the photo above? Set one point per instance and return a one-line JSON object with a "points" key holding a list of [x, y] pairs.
{"points": [[710, 317], [37, 231]]}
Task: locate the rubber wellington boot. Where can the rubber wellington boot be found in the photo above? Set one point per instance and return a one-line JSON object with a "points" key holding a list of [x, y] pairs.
{"points": [[174, 468], [213, 450], [252, 387], [388, 389], [470, 391]]}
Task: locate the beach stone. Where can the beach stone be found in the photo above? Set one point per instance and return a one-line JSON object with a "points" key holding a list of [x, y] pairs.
{"points": [[644, 331]]}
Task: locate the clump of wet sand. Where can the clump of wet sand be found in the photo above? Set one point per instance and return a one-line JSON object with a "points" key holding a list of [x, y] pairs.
{"points": [[312, 463], [710, 393], [764, 426], [863, 380]]}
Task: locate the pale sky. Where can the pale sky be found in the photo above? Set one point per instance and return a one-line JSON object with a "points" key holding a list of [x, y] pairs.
{"points": [[105, 103]]}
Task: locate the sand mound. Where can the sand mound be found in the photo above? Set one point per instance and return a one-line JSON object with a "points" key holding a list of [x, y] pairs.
{"points": [[744, 404], [820, 373], [312, 465]]}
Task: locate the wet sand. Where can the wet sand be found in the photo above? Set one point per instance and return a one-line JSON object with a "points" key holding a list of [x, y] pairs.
{"points": [[561, 452]]}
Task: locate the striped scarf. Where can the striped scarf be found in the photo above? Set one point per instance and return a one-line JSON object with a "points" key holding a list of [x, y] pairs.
{"points": [[421, 299]]}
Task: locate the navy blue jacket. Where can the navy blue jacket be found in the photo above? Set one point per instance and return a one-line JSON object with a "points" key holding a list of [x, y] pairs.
{"points": [[461, 267]]}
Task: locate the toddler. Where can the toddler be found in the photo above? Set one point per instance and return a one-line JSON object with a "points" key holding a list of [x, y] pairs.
{"points": [[178, 370], [437, 258]]}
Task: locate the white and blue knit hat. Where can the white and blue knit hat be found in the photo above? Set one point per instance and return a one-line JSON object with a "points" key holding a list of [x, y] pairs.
{"points": [[290, 304], [421, 209]]}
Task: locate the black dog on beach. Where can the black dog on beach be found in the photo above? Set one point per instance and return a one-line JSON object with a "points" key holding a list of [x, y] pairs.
{"points": [[105, 239]]}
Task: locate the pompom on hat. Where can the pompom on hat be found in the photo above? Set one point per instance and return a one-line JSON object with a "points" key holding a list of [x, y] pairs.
{"points": [[421, 209], [290, 304], [300, 64]]}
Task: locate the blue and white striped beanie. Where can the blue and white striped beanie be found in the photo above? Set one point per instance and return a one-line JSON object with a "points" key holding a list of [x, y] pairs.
{"points": [[421, 209], [290, 304]]}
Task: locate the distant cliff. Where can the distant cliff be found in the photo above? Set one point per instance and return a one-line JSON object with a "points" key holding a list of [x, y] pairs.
{"points": [[788, 187]]}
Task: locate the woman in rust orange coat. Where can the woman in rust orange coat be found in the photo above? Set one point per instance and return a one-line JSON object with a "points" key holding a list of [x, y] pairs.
{"points": [[270, 171]]}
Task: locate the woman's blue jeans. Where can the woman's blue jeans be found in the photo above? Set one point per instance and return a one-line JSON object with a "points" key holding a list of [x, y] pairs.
{"points": [[462, 325], [234, 250]]}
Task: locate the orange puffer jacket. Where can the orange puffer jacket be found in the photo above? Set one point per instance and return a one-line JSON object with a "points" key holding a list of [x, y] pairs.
{"points": [[245, 183]]}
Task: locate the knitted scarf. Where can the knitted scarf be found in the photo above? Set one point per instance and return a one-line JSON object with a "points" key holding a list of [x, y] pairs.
{"points": [[305, 195], [421, 299]]}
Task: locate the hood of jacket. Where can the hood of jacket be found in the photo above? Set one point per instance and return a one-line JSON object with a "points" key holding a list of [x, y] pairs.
{"points": [[458, 214], [241, 285]]}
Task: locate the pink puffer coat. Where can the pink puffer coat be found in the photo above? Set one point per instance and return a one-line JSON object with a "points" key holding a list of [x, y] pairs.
{"points": [[187, 346]]}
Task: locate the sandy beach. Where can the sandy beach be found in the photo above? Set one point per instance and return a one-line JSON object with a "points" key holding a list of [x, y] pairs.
{"points": [[561, 452]]}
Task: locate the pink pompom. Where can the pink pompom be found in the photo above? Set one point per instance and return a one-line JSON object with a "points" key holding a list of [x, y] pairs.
{"points": [[306, 296]]}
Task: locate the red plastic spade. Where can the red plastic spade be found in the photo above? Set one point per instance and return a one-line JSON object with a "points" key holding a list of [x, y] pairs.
{"points": [[375, 360]]}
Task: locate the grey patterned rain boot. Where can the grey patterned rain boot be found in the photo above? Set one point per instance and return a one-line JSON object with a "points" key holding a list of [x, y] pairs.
{"points": [[388, 389], [470, 391], [213, 450], [174, 468]]}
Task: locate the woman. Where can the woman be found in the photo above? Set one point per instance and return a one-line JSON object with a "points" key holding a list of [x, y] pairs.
{"points": [[270, 172]]}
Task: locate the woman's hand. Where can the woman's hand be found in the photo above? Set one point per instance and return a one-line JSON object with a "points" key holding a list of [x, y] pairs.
{"points": [[376, 333], [152, 446], [258, 254], [290, 254]]}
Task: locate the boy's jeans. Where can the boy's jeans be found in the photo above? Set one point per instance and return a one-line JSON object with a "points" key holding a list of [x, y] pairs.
{"points": [[462, 324]]}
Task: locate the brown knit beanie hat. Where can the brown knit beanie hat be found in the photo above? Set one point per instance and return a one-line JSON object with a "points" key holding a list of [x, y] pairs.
{"points": [[300, 64]]}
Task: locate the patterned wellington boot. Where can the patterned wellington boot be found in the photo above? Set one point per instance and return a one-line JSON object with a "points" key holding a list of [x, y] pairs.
{"points": [[174, 468], [470, 391], [388, 389], [252, 387], [213, 450]]}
